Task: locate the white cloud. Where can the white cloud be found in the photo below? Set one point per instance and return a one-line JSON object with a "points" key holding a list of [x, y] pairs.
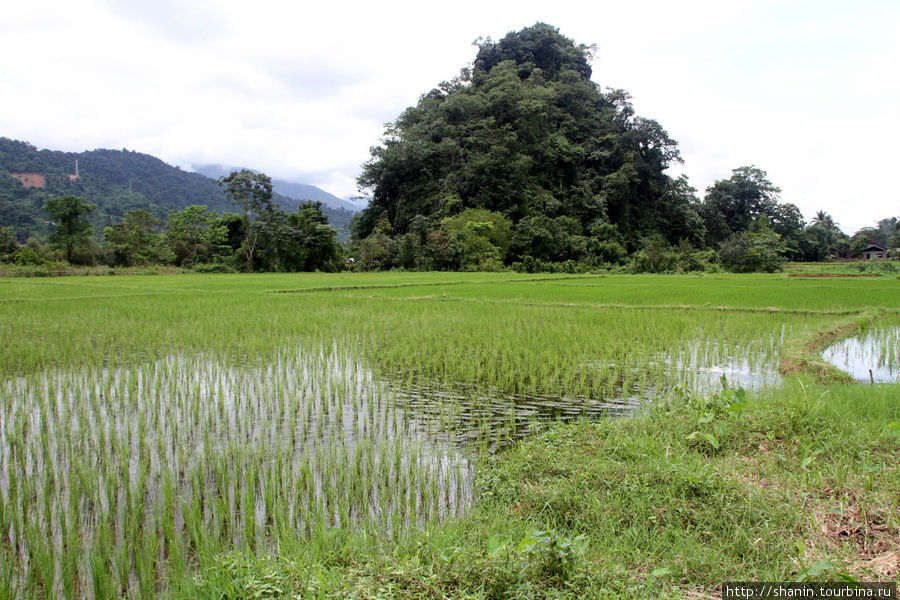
{"points": [[804, 90]]}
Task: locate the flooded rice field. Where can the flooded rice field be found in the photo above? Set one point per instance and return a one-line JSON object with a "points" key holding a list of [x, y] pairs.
{"points": [[873, 357], [138, 443], [128, 470], [483, 417]]}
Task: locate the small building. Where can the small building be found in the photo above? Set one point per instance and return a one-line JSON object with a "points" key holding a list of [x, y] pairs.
{"points": [[874, 251]]}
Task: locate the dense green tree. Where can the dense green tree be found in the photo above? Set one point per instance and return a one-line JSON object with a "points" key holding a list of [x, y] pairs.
{"points": [[249, 190], [731, 205], [606, 246], [823, 238], [678, 215], [33, 253], [9, 246], [655, 256], [252, 192], [234, 230], [299, 241], [549, 239], [824, 220], [539, 47], [195, 235], [71, 229], [376, 252], [137, 241], [483, 237], [757, 249], [787, 221], [888, 230]]}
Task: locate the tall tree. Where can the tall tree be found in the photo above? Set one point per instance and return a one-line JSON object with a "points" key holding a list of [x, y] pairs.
{"points": [[8, 244], [732, 204], [823, 237], [756, 249], [71, 230], [137, 241], [823, 219], [483, 236], [299, 241], [538, 47], [311, 242], [194, 234], [252, 192]]}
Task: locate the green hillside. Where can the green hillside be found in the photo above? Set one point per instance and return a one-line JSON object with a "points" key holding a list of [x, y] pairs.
{"points": [[116, 181]]}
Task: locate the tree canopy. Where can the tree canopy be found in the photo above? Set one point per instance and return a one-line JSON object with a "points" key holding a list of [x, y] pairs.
{"points": [[252, 192], [731, 205], [522, 146], [71, 230], [527, 134]]}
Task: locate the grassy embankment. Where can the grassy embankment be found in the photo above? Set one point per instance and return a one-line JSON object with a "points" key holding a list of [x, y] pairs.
{"points": [[786, 484]]}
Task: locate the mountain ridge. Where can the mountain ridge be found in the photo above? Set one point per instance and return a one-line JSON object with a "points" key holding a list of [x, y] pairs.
{"points": [[116, 181], [288, 189]]}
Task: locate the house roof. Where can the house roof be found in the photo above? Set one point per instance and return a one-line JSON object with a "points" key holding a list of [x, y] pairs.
{"points": [[874, 246]]}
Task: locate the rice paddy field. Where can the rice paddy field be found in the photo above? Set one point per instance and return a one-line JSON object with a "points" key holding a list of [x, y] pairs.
{"points": [[173, 435]]}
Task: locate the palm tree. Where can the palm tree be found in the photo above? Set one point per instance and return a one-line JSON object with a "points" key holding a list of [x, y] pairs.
{"points": [[825, 220]]}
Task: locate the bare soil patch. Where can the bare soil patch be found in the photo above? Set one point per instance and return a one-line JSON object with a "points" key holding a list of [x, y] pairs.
{"points": [[870, 534]]}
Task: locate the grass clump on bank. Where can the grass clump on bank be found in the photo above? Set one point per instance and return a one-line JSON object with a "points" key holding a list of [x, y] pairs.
{"points": [[794, 484]]}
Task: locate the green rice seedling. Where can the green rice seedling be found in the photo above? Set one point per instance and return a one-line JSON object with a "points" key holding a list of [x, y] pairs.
{"points": [[166, 422]]}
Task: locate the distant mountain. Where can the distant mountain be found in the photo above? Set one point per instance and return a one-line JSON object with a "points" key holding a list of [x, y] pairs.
{"points": [[360, 202], [296, 191], [116, 181]]}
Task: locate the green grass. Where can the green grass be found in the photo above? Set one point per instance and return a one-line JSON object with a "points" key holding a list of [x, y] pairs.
{"points": [[230, 436], [864, 267]]}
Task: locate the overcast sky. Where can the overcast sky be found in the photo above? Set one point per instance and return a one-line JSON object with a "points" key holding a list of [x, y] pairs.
{"points": [[806, 90]]}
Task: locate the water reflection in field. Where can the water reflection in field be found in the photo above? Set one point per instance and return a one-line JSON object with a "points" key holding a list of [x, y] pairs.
{"points": [[873, 357], [115, 473]]}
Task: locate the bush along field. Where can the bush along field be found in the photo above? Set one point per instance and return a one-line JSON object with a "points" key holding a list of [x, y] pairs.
{"points": [[442, 435]]}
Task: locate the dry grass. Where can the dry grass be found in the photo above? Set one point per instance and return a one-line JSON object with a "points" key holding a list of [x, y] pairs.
{"points": [[869, 537]]}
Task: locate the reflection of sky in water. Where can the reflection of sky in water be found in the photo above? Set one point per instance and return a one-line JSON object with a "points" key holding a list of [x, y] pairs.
{"points": [[879, 351], [701, 371], [737, 373], [315, 408], [470, 413]]}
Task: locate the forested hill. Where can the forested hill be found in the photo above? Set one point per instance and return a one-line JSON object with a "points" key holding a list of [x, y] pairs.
{"points": [[527, 136], [116, 181]]}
